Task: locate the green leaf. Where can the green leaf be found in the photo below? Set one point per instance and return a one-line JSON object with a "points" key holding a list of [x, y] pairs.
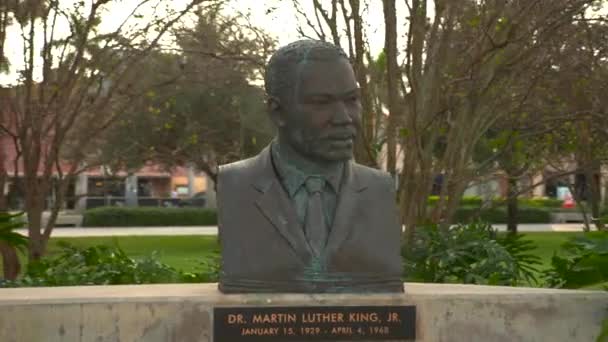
{"points": [[474, 22], [8, 223]]}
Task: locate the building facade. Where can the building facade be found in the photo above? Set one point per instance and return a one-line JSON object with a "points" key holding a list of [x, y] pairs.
{"points": [[151, 185]]}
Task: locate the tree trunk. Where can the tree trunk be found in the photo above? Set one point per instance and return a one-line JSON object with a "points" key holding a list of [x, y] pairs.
{"points": [[580, 205], [363, 146], [590, 167], [36, 244], [512, 205], [3, 178], [392, 75], [3, 195], [10, 261], [605, 200], [593, 184]]}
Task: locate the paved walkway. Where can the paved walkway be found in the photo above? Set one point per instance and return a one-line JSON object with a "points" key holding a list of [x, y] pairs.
{"points": [[129, 231], [212, 230]]}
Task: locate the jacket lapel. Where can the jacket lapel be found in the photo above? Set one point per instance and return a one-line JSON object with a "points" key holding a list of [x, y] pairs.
{"points": [[348, 200], [274, 204]]}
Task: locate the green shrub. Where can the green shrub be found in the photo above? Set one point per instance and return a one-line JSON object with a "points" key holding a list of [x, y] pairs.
{"points": [[8, 223], [584, 262], [469, 254], [432, 200], [142, 217], [531, 215], [541, 202], [522, 252], [548, 203], [467, 214], [104, 265], [471, 201], [476, 201], [209, 271], [466, 200]]}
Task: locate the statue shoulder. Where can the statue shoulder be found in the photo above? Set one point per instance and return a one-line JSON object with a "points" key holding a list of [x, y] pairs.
{"points": [[237, 170], [237, 166], [372, 175]]}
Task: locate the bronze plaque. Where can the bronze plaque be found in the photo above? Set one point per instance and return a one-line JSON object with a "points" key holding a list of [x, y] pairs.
{"points": [[309, 323]]}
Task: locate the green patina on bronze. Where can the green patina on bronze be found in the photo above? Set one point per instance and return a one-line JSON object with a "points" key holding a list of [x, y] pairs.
{"points": [[293, 177], [270, 243], [294, 168]]}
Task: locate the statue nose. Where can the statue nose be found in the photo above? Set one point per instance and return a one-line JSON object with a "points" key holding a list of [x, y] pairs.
{"points": [[341, 115]]}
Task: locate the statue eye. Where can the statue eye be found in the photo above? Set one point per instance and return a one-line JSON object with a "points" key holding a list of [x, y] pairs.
{"points": [[320, 100], [352, 99]]}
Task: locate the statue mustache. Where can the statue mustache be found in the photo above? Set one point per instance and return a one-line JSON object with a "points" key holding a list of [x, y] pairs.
{"points": [[343, 133], [331, 135], [337, 132]]}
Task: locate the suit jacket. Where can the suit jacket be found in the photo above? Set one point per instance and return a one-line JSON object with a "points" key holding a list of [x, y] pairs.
{"points": [[264, 248]]}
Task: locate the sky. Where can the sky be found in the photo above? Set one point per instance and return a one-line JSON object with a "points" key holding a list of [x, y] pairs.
{"points": [[281, 23]]}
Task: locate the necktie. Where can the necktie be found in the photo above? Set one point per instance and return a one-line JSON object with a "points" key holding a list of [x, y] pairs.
{"points": [[315, 227]]}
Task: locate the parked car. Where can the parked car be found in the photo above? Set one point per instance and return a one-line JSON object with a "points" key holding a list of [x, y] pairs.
{"points": [[197, 200]]}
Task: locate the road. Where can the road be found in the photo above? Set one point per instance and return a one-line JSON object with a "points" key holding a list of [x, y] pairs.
{"points": [[212, 230]]}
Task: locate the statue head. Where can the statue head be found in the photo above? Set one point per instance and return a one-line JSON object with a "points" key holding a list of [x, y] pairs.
{"points": [[313, 99]]}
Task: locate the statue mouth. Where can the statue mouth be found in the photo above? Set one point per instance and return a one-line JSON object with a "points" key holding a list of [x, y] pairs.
{"points": [[341, 141], [342, 136]]}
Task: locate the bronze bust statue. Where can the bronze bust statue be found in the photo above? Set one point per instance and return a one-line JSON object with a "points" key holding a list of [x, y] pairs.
{"points": [[302, 216]]}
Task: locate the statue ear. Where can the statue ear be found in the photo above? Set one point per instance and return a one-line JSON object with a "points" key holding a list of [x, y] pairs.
{"points": [[275, 109]]}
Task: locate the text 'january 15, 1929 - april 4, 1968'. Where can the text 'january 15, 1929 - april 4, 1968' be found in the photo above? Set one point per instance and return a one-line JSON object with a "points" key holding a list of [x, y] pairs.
{"points": [[314, 323]]}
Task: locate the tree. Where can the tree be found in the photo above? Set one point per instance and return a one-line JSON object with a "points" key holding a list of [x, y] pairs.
{"points": [[455, 76], [464, 72], [73, 86], [574, 90], [552, 126], [203, 110]]}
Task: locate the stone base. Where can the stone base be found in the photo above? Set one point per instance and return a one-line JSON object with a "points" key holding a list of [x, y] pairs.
{"points": [[184, 312]]}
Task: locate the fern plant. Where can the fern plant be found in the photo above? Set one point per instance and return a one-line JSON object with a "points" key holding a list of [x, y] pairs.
{"points": [[10, 243], [8, 223]]}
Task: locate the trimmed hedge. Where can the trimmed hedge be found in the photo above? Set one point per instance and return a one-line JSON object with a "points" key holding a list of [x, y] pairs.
{"points": [[476, 201], [145, 217], [541, 202], [159, 217], [467, 214], [466, 200]]}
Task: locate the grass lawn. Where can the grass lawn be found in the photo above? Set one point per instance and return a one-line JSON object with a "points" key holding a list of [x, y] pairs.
{"points": [[547, 243], [181, 252], [184, 252]]}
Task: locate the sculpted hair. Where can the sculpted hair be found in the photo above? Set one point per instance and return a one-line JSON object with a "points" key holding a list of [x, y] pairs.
{"points": [[282, 67]]}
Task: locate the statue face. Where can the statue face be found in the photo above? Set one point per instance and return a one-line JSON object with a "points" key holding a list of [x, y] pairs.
{"points": [[324, 115]]}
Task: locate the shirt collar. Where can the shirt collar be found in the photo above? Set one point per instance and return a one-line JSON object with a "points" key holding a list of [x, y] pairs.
{"points": [[293, 178]]}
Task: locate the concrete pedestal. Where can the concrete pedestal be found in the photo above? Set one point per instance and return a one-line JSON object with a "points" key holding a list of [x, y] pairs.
{"points": [[185, 312]]}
